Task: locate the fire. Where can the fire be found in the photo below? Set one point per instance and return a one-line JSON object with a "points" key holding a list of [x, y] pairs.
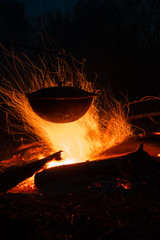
{"points": [[60, 163], [98, 130]]}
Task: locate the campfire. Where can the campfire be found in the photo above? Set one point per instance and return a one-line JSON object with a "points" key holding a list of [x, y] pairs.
{"points": [[103, 126]]}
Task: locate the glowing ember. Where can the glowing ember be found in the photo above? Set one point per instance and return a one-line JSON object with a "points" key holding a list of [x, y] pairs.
{"points": [[157, 133], [27, 186], [158, 155], [123, 184], [126, 186]]}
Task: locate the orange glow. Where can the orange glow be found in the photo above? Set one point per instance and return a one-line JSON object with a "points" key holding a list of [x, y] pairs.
{"points": [[157, 133], [125, 184], [158, 155], [59, 163], [27, 186], [98, 130]]}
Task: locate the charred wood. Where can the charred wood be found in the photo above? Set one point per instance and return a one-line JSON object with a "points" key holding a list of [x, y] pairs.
{"points": [[16, 174], [144, 115], [71, 176]]}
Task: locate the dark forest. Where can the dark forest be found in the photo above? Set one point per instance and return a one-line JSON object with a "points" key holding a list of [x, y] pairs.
{"points": [[120, 40]]}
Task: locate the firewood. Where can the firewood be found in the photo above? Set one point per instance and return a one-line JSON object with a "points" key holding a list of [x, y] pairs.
{"points": [[76, 175], [16, 174], [144, 115], [10, 152]]}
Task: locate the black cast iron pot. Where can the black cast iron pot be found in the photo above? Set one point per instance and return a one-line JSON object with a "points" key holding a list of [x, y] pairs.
{"points": [[60, 104]]}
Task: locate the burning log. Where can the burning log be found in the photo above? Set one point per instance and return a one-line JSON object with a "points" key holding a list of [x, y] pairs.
{"points": [[16, 174], [69, 177]]}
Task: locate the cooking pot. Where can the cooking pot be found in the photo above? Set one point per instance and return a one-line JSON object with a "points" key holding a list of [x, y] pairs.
{"points": [[61, 104]]}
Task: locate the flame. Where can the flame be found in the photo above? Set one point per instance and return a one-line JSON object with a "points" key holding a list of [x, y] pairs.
{"points": [[158, 155], [60, 163], [64, 161], [99, 129]]}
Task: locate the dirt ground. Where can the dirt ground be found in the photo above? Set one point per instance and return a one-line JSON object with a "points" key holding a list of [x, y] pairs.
{"points": [[113, 215]]}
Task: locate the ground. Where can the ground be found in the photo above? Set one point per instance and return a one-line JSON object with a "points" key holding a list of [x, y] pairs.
{"points": [[115, 215]]}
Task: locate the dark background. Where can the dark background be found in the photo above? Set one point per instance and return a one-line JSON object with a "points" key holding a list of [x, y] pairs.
{"points": [[119, 39]]}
